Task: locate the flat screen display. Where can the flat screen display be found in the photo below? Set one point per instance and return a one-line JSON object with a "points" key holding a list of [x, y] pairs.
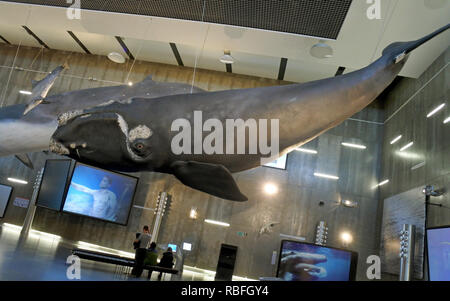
{"points": [[100, 194], [307, 262], [174, 247], [5, 194], [54, 182], [438, 245]]}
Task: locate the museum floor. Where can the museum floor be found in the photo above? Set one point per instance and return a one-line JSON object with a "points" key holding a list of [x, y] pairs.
{"points": [[42, 257]]}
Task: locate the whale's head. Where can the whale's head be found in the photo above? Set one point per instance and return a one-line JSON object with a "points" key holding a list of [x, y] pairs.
{"points": [[105, 140]]}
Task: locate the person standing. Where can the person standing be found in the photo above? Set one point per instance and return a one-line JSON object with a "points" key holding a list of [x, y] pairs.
{"points": [[141, 251]]}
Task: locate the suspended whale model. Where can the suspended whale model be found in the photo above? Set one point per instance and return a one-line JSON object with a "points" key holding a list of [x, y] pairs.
{"points": [[138, 128]]}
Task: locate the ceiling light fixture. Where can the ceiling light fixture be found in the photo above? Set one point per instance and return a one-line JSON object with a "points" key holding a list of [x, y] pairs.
{"points": [[321, 175], [321, 50], [209, 221], [17, 181], [130, 83], [305, 150], [396, 139], [346, 237], [226, 58], [354, 145], [407, 146], [447, 120], [25, 92], [116, 57], [436, 110]]}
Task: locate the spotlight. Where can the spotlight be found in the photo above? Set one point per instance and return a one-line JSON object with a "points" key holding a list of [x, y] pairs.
{"points": [[270, 188], [193, 213], [349, 203], [346, 237]]}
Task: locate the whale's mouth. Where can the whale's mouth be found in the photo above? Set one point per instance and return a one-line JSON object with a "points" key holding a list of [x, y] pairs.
{"points": [[58, 148]]}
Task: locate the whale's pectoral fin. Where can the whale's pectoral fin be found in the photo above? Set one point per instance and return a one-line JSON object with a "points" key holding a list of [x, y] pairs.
{"points": [[210, 178], [25, 160]]}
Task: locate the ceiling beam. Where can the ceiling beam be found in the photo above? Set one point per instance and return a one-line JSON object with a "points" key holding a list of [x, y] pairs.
{"points": [[124, 47], [176, 53], [78, 42], [31, 33], [282, 70]]}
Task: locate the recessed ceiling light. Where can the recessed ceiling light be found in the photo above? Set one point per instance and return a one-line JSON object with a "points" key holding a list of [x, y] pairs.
{"points": [[226, 58], [116, 57], [436, 110], [321, 51], [354, 145], [396, 139]]}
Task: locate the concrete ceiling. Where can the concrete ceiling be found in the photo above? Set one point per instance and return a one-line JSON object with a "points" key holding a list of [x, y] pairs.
{"points": [[256, 52]]}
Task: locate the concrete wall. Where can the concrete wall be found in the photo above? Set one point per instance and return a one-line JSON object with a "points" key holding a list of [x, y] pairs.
{"points": [[406, 109], [296, 205]]}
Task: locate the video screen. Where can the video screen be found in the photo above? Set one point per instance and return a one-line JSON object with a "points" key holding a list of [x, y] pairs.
{"points": [[5, 194], [307, 262], [438, 242], [100, 194], [53, 185]]}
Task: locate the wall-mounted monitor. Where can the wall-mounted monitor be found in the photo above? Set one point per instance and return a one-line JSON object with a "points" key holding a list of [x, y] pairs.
{"points": [[54, 183], [5, 194], [300, 261], [100, 194], [438, 250], [173, 246]]}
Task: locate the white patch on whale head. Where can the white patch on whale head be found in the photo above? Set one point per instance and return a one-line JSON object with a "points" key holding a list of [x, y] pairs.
{"points": [[123, 125], [140, 132], [63, 118]]}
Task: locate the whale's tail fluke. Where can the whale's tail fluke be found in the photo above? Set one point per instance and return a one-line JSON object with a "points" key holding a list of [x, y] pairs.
{"points": [[403, 48]]}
